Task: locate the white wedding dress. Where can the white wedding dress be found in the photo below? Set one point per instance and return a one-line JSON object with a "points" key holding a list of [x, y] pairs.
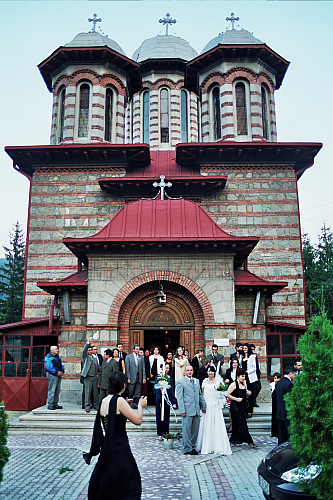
{"points": [[212, 437]]}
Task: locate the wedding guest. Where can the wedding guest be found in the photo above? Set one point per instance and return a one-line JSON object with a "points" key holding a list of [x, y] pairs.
{"points": [[187, 354], [230, 377], [282, 387], [274, 426], [89, 374], [97, 357], [169, 361], [109, 365], [218, 359], [257, 383], [239, 350], [180, 362], [212, 437], [122, 354], [116, 357], [190, 400], [196, 362], [237, 393], [298, 366], [162, 426], [135, 372], [249, 364], [202, 373], [156, 364], [145, 355], [54, 371], [115, 462]]}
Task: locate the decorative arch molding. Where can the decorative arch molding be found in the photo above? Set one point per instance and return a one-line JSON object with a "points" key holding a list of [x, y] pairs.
{"points": [[109, 78], [164, 276], [264, 78], [84, 74], [175, 313], [161, 82], [62, 80], [216, 78], [240, 72]]}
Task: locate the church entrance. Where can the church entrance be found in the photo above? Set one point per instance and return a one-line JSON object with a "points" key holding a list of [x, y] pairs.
{"points": [[165, 339], [165, 325]]}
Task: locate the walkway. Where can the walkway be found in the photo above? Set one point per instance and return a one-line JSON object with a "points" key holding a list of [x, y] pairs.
{"points": [[33, 470]]}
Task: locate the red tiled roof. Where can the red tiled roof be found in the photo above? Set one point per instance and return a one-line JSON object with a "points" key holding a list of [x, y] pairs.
{"points": [[148, 222], [246, 280], [76, 280]]}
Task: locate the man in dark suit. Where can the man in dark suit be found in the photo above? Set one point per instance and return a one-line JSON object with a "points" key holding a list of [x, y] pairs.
{"points": [[282, 387], [109, 365], [97, 357], [122, 354], [89, 374], [196, 362], [218, 359], [239, 349], [190, 400], [135, 372]]}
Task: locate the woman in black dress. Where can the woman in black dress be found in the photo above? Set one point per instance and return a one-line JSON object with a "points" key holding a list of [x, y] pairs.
{"points": [[116, 475], [237, 393]]}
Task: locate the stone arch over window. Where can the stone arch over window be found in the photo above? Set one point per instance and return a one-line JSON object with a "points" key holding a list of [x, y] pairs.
{"points": [[216, 112], [184, 106], [61, 113], [109, 113], [164, 95], [241, 91], [145, 116], [83, 109], [265, 112]]}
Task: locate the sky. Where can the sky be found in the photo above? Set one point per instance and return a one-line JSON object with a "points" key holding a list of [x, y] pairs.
{"points": [[300, 32]]}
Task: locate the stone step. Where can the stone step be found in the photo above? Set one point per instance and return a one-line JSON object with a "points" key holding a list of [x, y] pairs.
{"points": [[73, 420]]}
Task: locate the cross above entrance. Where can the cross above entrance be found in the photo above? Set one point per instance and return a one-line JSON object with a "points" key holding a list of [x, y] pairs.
{"points": [[232, 19], [166, 21], [94, 20], [162, 185]]}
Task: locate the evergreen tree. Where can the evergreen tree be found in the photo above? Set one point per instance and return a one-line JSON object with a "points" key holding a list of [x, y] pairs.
{"points": [[12, 278], [310, 408]]}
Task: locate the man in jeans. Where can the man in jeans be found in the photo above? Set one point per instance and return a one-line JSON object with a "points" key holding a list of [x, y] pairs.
{"points": [[54, 371]]}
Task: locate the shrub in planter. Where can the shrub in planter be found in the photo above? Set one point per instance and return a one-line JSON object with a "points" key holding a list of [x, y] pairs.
{"points": [[4, 452]]}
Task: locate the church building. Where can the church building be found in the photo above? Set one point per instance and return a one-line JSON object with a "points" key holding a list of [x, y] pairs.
{"points": [[163, 212]]}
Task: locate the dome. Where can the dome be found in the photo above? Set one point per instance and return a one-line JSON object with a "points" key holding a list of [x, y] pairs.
{"points": [[94, 39], [232, 37], [164, 47]]}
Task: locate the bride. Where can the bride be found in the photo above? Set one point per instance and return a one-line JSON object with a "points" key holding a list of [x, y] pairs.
{"points": [[212, 437]]}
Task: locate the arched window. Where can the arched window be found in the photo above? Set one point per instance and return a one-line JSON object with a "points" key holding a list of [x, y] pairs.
{"points": [[61, 121], [264, 112], [108, 115], [146, 117], [184, 115], [83, 128], [241, 112], [164, 115], [216, 113]]}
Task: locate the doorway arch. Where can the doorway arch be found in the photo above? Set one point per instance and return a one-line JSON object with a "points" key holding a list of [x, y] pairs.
{"points": [[170, 323]]}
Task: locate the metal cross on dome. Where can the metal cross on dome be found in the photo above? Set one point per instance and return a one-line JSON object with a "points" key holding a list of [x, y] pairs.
{"points": [[94, 20], [232, 19], [166, 21], [162, 185]]}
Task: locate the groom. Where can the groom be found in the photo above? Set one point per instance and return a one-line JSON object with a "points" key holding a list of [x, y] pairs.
{"points": [[190, 400]]}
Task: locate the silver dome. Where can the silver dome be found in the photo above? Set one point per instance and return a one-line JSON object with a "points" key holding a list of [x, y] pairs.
{"points": [[232, 37], [164, 47], [94, 39]]}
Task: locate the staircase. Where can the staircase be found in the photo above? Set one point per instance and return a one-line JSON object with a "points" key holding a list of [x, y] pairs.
{"points": [[72, 420]]}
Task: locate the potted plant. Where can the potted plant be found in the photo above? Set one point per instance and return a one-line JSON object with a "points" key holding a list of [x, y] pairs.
{"points": [[2, 405], [170, 438]]}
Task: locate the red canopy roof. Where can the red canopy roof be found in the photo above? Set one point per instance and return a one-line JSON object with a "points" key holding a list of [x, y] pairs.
{"points": [[146, 223], [76, 280], [245, 280]]}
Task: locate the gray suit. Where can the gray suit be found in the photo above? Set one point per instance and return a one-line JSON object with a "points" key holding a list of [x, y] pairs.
{"points": [[89, 374], [190, 400], [135, 373], [103, 378]]}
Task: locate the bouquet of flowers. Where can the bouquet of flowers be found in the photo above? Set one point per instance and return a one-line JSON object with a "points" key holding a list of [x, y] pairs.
{"points": [[175, 435], [162, 382], [221, 394]]}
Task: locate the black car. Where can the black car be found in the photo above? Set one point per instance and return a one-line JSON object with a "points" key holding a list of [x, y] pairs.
{"points": [[278, 475]]}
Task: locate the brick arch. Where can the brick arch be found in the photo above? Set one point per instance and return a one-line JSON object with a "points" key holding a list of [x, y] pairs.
{"points": [[165, 276], [164, 82], [145, 287], [240, 72], [84, 74], [264, 78], [109, 78], [212, 79], [62, 80]]}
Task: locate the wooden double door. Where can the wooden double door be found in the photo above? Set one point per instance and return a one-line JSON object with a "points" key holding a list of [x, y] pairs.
{"points": [[165, 325]]}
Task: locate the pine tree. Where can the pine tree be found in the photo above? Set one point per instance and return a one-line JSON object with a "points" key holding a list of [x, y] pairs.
{"points": [[310, 407], [12, 278]]}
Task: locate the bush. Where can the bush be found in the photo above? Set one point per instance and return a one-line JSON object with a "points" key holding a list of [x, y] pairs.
{"points": [[4, 452], [310, 407]]}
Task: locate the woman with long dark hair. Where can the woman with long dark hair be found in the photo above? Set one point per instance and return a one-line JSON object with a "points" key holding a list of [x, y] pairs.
{"points": [[116, 475], [237, 393]]}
